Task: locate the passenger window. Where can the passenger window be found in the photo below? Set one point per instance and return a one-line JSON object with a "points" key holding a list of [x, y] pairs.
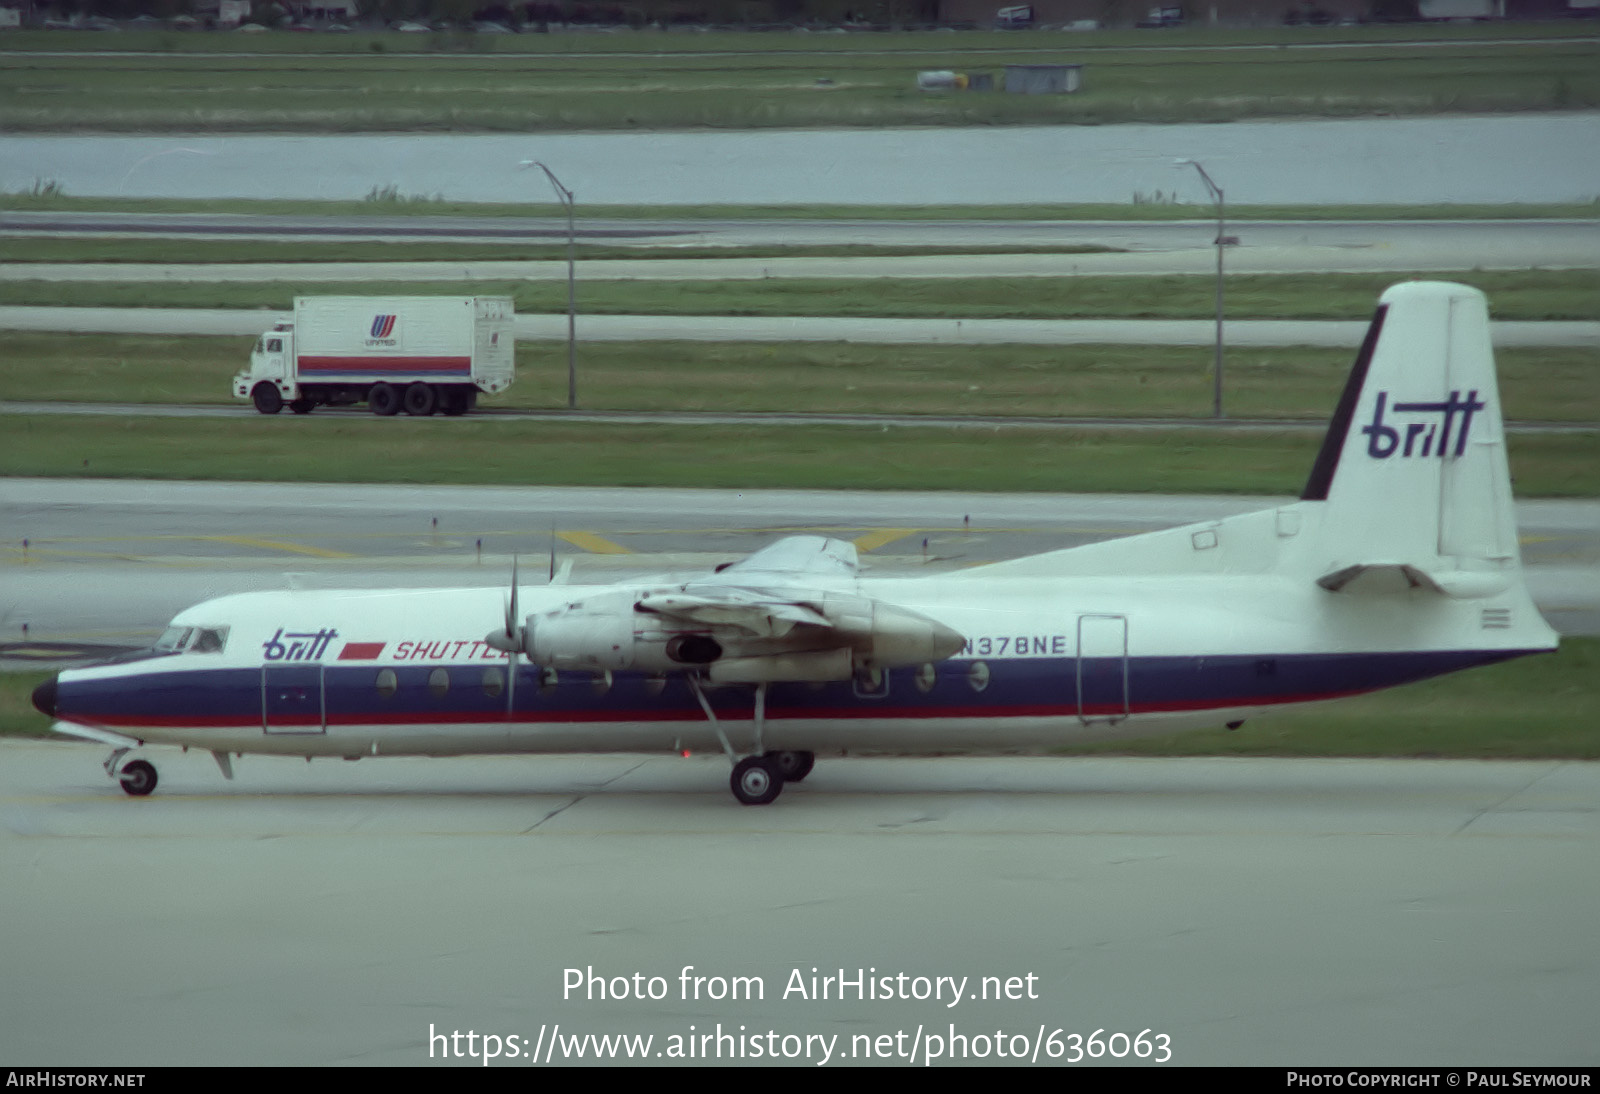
{"points": [[494, 682], [439, 683], [386, 683]]}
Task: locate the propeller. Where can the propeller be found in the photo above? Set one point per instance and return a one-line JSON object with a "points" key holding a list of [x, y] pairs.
{"points": [[510, 639]]}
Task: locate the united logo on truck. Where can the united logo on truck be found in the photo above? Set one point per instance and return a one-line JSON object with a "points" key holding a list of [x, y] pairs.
{"points": [[382, 326]]}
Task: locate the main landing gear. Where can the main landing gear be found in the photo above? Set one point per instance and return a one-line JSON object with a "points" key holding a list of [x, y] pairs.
{"points": [[757, 779]]}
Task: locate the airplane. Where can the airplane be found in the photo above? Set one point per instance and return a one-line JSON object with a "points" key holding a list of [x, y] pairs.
{"points": [[1399, 562]]}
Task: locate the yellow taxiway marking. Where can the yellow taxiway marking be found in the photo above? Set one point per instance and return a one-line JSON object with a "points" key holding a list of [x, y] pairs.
{"points": [[880, 537], [595, 545], [278, 545]]}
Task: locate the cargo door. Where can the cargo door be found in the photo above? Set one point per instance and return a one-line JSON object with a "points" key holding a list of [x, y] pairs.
{"points": [[292, 700], [1102, 668]]}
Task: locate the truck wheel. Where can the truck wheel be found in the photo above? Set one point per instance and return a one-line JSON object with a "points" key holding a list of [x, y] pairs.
{"points": [[383, 400], [420, 400], [301, 406], [266, 398]]}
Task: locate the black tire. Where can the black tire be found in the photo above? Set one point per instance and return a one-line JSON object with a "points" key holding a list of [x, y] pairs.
{"points": [[267, 398], [420, 400], [383, 400], [138, 778], [302, 406], [793, 766], [756, 781]]}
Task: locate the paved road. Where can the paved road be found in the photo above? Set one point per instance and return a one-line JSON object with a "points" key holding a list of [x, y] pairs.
{"points": [[1149, 248], [694, 328], [1270, 912], [985, 423]]}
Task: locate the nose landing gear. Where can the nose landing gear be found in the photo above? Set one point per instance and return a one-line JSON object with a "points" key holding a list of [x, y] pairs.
{"points": [[138, 778]]}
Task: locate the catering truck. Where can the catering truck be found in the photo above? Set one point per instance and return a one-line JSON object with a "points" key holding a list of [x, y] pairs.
{"points": [[419, 354]]}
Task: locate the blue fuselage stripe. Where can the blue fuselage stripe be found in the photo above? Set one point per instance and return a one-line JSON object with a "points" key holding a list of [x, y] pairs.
{"points": [[1025, 687]]}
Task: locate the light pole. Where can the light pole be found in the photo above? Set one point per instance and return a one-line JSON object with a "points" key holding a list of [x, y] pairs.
{"points": [[1222, 241], [572, 295], [123, 185]]}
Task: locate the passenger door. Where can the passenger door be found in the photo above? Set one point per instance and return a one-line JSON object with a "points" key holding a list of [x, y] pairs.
{"points": [[291, 699], [1102, 668]]}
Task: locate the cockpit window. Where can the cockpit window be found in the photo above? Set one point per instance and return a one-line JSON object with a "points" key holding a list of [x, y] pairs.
{"points": [[193, 639], [174, 638], [210, 640]]}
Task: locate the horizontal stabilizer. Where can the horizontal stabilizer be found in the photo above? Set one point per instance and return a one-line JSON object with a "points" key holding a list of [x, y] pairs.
{"points": [[1392, 577]]}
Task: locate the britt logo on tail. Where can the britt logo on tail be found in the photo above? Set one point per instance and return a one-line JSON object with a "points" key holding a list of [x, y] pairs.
{"points": [[1383, 440]]}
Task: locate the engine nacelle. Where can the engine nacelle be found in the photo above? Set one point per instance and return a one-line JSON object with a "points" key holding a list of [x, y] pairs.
{"points": [[580, 639], [885, 636], [833, 639], [835, 664]]}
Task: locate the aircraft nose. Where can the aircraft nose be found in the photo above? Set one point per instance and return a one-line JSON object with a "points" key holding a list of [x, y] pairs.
{"points": [[44, 697]]}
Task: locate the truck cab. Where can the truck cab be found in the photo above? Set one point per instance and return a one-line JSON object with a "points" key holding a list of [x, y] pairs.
{"points": [[269, 381]]}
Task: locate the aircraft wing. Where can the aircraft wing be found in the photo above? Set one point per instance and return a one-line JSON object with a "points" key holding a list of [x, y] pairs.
{"points": [[746, 609], [791, 611], [794, 556]]}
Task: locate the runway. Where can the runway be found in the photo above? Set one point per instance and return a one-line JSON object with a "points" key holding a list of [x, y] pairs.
{"points": [[1140, 248], [1253, 912]]}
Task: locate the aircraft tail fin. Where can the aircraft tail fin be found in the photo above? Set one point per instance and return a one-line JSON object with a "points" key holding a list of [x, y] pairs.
{"points": [[1410, 493], [1413, 472]]}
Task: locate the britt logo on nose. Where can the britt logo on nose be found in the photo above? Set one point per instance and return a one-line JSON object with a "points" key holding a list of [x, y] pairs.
{"points": [[1429, 437]]}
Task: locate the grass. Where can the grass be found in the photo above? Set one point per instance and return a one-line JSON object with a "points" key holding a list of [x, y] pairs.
{"points": [[1537, 384], [823, 85], [551, 452], [1514, 294], [55, 201], [1539, 707]]}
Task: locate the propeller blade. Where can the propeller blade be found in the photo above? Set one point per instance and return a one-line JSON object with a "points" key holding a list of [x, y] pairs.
{"points": [[511, 608], [509, 640]]}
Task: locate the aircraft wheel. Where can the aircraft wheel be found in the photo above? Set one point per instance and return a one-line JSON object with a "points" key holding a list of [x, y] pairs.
{"points": [[756, 780], [267, 398], [138, 778], [420, 401], [793, 766], [302, 406]]}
